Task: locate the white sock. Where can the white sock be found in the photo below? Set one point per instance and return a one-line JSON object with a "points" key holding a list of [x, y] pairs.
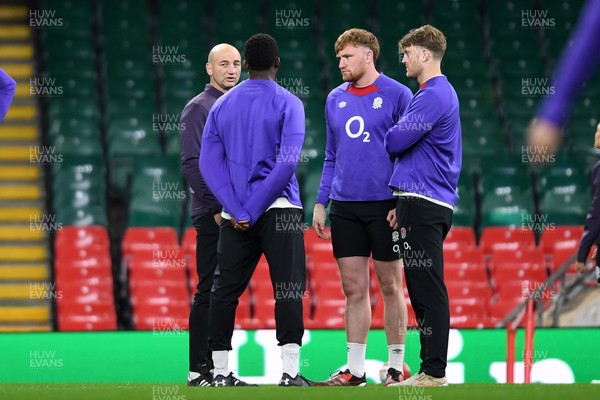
{"points": [[290, 355], [193, 375], [356, 358], [396, 356], [221, 360]]}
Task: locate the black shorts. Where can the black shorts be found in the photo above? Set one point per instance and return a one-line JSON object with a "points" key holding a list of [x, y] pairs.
{"points": [[360, 229]]}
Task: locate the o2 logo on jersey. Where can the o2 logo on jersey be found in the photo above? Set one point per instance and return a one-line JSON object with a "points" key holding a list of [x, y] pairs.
{"points": [[361, 129]]}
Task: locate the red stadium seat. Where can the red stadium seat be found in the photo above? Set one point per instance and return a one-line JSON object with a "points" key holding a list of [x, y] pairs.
{"points": [[492, 236], [92, 322], [523, 264], [264, 312], [85, 317], [310, 237], [158, 292], [166, 259], [464, 254], [466, 306], [503, 307], [91, 263], [568, 233], [322, 252], [561, 252], [463, 272], [330, 290], [85, 285], [522, 290], [192, 274], [82, 253], [243, 314], [467, 289], [532, 272], [161, 317], [248, 324], [81, 241], [515, 256], [470, 322], [188, 246], [515, 289], [81, 236], [264, 301], [325, 272], [328, 315], [243, 309], [189, 241], [84, 281], [167, 256], [262, 290], [148, 271], [264, 309], [261, 273], [86, 291], [463, 321], [79, 269], [464, 236], [378, 308], [148, 239], [96, 297]]}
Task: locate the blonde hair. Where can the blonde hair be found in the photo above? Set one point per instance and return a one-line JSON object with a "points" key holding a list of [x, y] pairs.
{"points": [[426, 36], [358, 37]]}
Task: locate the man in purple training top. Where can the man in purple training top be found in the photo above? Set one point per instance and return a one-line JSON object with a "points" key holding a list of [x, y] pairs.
{"points": [[426, 144], [577, 62], [7, 91], [591, 233], [355, 178], [224, 66], [250, 149]]}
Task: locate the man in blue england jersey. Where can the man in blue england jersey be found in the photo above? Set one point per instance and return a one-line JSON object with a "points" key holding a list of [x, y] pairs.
{"points": [[250, 149], [355, 178], [426, 145]]}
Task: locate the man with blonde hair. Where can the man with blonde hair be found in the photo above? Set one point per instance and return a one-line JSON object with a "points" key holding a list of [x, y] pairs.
{"points": [[426, 146], [355, 178]]}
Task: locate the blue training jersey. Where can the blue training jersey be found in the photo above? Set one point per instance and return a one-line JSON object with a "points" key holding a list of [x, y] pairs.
{"points": [[427, 145], [251, 146], [357, 166]]}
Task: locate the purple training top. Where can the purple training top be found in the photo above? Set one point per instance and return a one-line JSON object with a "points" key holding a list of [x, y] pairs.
{"points": [[193, 118], [251, 147], [357, 167], [575, 66], [7, 91], [427, 145]]}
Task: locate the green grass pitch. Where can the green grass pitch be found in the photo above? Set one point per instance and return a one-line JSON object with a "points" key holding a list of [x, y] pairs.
{"points": [[161, 391]]}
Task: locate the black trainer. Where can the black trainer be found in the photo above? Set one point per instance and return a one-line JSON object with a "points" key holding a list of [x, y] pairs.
{"points": [[229, 380], [205, 379], [299, 380], [393, 377], [344, 378]]}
